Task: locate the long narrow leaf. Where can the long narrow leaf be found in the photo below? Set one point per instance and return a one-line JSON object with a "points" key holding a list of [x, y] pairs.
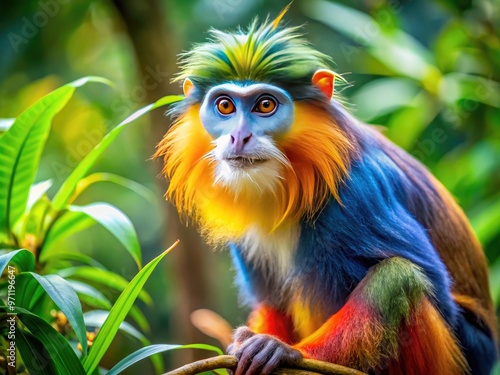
{"points": [[32, 294], [57, 257], [397, 50], [117, 223], [68, 187], [23, 258], [35, 356], [96, 319], [118, 313], [90, 295], [103, 278], [66, 225], [64, 296], [62, 355], [37, 191], [21, 148], [383, 96], [155, 349], [114, 179], [94, 298]]}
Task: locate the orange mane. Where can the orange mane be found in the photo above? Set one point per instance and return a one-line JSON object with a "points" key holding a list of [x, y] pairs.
{"points": [[319, 155]]}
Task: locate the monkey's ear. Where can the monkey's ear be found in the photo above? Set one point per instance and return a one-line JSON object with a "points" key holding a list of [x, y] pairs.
{"points": [[187, 87], [324, 80]]}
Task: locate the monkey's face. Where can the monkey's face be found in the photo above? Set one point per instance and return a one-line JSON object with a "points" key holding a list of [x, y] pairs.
{"points": [[245, 121]]}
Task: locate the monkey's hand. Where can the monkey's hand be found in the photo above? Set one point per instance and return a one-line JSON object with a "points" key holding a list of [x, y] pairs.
{"points": [[260, 353]]}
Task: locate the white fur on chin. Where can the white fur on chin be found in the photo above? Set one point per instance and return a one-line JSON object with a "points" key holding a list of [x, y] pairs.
{"points": [[259, 178]]}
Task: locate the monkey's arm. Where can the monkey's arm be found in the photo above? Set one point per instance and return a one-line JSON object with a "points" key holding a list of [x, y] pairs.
{"points": [[387, 317]]}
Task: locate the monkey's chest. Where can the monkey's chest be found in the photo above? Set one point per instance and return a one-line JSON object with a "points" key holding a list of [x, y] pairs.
{"points": [[273, 254], [277, 279]]}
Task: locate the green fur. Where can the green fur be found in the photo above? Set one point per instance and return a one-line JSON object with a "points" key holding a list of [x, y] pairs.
{"points": [[395, 287], [264, 53]]}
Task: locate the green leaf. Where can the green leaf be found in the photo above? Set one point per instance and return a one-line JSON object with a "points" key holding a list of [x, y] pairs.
{"points": [[155, 349], [383, 96], [456, 86], [63, 295], [115, 179], [23, 258], [6, 123], [56, 257], [31, 293], [67, 189], [63, 227], [90, 295], [62, 355], [399, 51], [37, 191], [96, 319], [94, 298], [20, 151], [495, 282], [406, 125], [485, 218], [117, 223], [118, 313], [167, 100], [35, 357], [21, 148], [102, 277]]}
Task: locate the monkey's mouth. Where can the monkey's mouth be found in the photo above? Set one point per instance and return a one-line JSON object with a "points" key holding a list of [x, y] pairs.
{"points": [[243, 161]]}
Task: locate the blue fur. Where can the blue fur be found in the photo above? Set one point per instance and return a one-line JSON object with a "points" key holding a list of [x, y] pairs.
{"points": [[477, 344], [381, 216], [371, 224]]}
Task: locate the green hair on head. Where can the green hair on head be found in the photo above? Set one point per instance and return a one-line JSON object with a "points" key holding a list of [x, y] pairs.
{"points": [[265, 52]]}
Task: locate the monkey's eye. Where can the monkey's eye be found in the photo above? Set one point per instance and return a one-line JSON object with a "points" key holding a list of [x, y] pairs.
{"points": [[225, 106], [266, 105]]}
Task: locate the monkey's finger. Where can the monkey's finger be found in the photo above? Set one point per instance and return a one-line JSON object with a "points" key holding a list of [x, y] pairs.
{"points": [[262, 359], [274, 361], [248, 351]]}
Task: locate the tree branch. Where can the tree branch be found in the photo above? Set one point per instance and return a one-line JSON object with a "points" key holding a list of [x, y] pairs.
{"points": [[304, 367]]}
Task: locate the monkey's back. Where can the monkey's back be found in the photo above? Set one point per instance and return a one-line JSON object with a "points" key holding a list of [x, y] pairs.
{"points": [[450, 233]]}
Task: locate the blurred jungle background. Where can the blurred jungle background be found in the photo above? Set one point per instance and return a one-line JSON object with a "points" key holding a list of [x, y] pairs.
{"points": [[427, 70]]}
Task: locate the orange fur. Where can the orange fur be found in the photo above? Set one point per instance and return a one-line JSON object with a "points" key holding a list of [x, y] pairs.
{"points": [[319, 154], [357, 337], [428, 346]]}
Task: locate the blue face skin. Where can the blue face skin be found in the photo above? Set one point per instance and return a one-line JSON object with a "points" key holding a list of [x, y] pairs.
{"points": [[246, 113]]}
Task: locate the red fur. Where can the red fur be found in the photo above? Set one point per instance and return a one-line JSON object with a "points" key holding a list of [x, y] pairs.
{"points": [[357, 337], [353, 337], [427, 346], [267, 320]]}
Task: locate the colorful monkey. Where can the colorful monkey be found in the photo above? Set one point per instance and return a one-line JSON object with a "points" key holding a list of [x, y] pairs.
{"points": [[346, 247]]}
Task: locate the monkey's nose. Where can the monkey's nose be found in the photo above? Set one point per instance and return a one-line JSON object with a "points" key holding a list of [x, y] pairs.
{"points": [[239, 139]]}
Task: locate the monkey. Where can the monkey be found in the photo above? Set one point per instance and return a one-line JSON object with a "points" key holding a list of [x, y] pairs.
{"points": [[346, 248]]}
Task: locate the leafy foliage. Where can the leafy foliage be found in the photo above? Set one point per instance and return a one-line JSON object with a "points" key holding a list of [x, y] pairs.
{"points": [[40, 295]]}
